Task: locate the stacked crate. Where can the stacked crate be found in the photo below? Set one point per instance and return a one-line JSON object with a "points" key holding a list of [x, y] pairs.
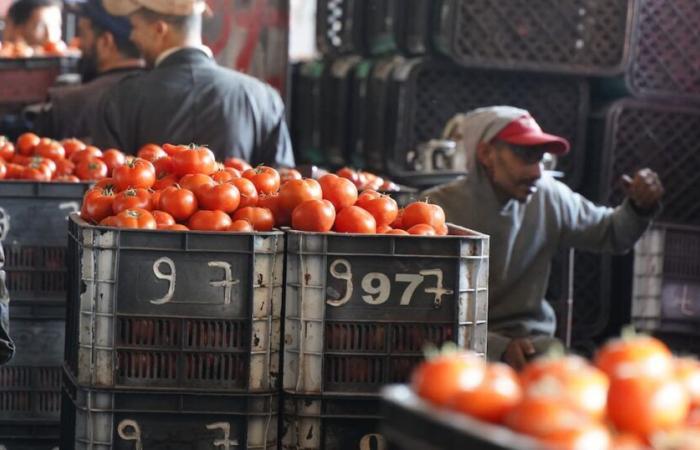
{"points": [[172, 338], [33, 235]]}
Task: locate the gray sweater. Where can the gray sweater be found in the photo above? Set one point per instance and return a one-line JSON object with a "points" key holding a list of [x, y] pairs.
{"points": [[524, 238]]}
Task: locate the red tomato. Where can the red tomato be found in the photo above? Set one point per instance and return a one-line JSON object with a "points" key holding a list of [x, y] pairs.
{"points": [[241, 226], [3, 169], [97, 204], [383, 229], [295, 192], [131, 199], [383, 208], [48, 148], [64, 167], [646, 354], [642, 404], [249, 194], [289, 174], [14, 171], [136, 218], [438, 380], [171, 149], [26, 143], [224, 197], [196, 182], [7, 149], [89, 152], [354, 219], [442, 229], [237, 164], [260, 218], [72, 145], [163, 166], [151, 152], [422, 230], [351, 175], [36, 172], [271, 202], [164, 181], [138, 173], [163, 219], [110, 221], [176, 227], [265, 179], [314, 215], [91, 169], [389, 186], [688, 373], [113, 158], [209, 221], [225, 175], [67, 179], [105, 183], [339, 191], [422, 212], [627, 441], [398, 222], [398, 231], [194, 160], [492, 399], [180, 203]]}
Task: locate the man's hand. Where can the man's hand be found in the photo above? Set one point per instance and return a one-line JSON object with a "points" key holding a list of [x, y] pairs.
{"points": [[644, 190], [518, 352]]}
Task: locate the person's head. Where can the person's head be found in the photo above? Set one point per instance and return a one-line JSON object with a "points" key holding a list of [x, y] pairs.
{"points": [[159, 25], [35, 21], [104, 40]]}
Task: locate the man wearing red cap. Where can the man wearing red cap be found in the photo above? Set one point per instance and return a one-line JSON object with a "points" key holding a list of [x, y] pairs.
{"points": [[529, 215]]}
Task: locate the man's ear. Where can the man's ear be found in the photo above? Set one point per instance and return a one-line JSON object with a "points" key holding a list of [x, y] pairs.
{"points": [[484, 154], [105, 41], [162, 27]]}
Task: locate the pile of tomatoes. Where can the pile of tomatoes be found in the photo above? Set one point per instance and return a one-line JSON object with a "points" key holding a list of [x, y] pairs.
{"points": [[50, 48], [635, 395]]}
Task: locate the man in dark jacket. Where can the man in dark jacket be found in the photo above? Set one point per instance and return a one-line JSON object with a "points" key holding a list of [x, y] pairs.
{"points": [[7, 347], [187, 98]]}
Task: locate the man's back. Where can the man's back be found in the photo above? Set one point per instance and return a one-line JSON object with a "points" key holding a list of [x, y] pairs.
{"points": [[188, 98]]}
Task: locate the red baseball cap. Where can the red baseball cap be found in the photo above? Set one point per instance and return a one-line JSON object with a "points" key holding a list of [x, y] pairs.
{"points": [[526, 132]]}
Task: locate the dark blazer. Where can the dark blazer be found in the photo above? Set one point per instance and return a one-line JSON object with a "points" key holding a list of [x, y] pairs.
{"points": [[7, 347], [188, 99]]}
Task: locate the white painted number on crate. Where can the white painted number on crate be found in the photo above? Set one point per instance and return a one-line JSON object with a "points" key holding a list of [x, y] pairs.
{"points": [[4, 224], [377, 286], [170, 277], [686, 303], [368, 439], [227, 283], [225, 443], [129, 430], [69, 207]]}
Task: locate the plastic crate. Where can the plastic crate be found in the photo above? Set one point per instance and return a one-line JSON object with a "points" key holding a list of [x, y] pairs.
{"points": [[193, 310], [633, 134], [307, 111], [28, 394], [49, 443], [359, 113], [664, 59], [360, 309], [116, 420], [584, 37], [413, 26], [425, 94], [409, 423], [316, 423], [340, 26], [27, 80], [380, 26], [666, 293]]}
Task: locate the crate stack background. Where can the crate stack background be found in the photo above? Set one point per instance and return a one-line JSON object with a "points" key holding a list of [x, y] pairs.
{"points": [[619, 79]]}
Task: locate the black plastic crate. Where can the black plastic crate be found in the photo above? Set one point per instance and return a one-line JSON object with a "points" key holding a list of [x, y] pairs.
{"points": [[340, 26], [632, 134], [33, 219], [339, 423], [666, 295], [664, 56], [29, 394], [410, 423], [584, 37], [380, 26], [19, 436], [189, 311], [359, 113], [307, 118], [360, 309], [121, 420], [425, 94], [413, 26]]}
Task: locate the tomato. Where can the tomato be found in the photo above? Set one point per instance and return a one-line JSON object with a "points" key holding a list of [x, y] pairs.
{"points": [[72, 145], [196, 182], [155, 199], [635, 353], [67, 179], [389, 186], [351, 175], [241, 226], [97, 204], [289, 174], [271, 202], [176, 227], [422, 212], [571, 378], [14, 171], [225, 175], [398, 231], [55, 48], [36, 172], [163, 219], [237, 164], [422, 230], [643, 404], [180, 203], [110, 221], [492, 399], [3, 170], [130, 199], [209, 221], [163, 181], [136, 218], [224, 197], [194, 160], [44, 162], [439, 379], [265, 179], [91, 169], [137, 173], [171, 149], [64, 167], [339, 191], [151, 152], [163, 166], [249, 194], [627, 441], [442, 229], [26, 143], [383, 208], [295, 192], [398, 222], [383, 229], [7, 149], [314, 215], [105, 182], [113, 158], [48, 148], [688, 373], [88, 152], [260, 218], [354, 219], [372, 181]]}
